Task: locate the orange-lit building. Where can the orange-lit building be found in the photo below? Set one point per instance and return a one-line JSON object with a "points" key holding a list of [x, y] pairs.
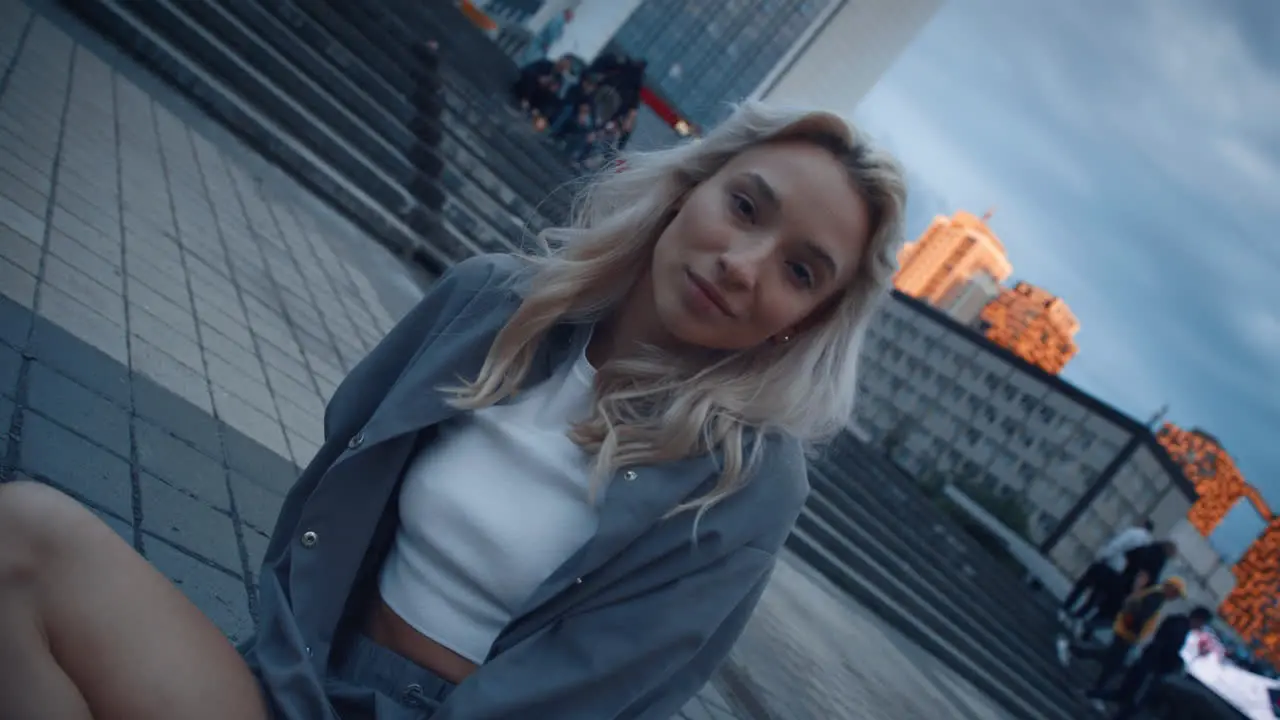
{"points": [[1251, 608], [947, 255], [1035, 325]]}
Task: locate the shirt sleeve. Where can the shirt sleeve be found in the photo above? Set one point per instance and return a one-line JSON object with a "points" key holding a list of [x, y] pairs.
{"points": [[359, 393], [641, 658]]}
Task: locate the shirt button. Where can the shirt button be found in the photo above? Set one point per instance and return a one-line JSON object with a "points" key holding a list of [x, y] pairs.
{"points": [[309, 539], [577, 581], [356, 441], [629, 475]]}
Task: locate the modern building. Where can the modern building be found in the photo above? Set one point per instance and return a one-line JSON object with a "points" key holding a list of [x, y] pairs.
{"points": [[841, 56], [705, 54], [948, 254], [1034, 324], [951, 406], [1253, 607], [965, 303]]}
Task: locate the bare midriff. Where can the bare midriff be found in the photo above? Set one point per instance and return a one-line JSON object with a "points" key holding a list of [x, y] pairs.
{"points": [[391, 631]]}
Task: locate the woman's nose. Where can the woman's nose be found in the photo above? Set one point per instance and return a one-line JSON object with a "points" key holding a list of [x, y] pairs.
{"points": [[741, 264]]}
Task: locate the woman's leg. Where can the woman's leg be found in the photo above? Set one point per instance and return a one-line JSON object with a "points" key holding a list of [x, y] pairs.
{"points": [[88, 629]]}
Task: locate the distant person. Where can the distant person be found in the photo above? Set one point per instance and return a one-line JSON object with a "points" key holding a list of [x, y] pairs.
{"points": [[626, 127], [1103, 575], [1143, 566], [1161, 658], [537, 90], [582, 93], [1137, 618]]}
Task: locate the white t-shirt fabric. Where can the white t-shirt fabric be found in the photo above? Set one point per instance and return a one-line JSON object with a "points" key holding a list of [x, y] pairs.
{"points": [[489, 510], [1113, 552]]}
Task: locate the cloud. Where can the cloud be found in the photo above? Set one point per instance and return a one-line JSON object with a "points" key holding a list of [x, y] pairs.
{"points": [[1133, 156]]}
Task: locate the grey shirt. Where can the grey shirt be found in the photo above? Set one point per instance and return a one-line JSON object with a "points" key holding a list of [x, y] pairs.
{"points": [[631, 626]]}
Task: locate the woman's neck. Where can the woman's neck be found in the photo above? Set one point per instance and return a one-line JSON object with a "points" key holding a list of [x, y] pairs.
{"points": [[632, 325]]}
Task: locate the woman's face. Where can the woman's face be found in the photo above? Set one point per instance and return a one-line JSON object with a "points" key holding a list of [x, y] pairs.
{"points": [[759, 247]]}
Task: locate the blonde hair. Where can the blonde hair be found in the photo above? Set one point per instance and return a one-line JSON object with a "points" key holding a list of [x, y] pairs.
{"points": [[655, 407]]}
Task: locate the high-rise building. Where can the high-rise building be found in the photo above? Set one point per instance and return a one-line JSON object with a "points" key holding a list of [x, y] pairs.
{"points": [[705, 54], [951, 252], [950, 406], [965, 303], [1251, 608], [1034, 324], [819, 69]]}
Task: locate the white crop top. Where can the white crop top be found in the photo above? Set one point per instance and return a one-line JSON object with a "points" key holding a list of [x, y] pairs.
{"points": [[488, 511]]}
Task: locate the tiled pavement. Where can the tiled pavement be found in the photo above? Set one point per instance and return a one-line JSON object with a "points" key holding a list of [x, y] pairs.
{"points": [[173, 315]]}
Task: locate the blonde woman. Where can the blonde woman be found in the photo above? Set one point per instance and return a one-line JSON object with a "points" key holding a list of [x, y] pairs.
{"points": [[556, 489]]}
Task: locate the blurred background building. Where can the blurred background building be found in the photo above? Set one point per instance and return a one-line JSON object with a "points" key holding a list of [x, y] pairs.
{"points": [[960, 387], [958, 265], [704, 55], [1253, 607], [1035, 325], [950, 253]]}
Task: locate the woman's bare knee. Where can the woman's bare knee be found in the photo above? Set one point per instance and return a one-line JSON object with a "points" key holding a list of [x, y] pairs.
{"points": [[35, 520], [130, 641]]}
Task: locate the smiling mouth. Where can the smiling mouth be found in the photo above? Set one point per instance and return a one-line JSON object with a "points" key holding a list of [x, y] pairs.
{"points": [[711, 293]]}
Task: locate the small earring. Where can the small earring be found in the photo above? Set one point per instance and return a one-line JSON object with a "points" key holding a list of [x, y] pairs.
{"points": [[784, 339]]}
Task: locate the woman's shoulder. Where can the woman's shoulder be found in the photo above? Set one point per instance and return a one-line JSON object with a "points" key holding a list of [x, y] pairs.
{"points": [[780, 482], [486, 271], [784, 461]]}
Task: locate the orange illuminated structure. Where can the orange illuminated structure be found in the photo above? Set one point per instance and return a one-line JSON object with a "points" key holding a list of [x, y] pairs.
{"points": [[1253, 607], [950, 252], [1034, 324]]}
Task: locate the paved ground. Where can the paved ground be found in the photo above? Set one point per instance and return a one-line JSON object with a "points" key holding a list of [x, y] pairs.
{"points": [[174, 314]]}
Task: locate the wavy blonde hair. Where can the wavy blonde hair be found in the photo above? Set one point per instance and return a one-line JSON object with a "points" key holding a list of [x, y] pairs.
{"points": [[655, 407]]}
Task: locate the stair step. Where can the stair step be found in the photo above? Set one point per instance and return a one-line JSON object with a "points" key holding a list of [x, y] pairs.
{"points": [[1032, 656], [854, 463], [999, 620], [357, 89], [488, 226], [391, 33], [927, 622], [367, 39], [968, 570], [366, 195]]}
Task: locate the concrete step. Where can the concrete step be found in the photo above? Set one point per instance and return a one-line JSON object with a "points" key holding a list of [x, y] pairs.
{"points": [[457, 34], [926, 619], [362, 29], [269, 120], [486, 225], [1033, 657], [923, 540], [995, 618], [397, 26], [877, 479], [401, 121]]}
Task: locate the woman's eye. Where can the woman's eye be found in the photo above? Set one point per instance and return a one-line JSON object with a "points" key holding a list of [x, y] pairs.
{"points": [[743, 206], [801, 273]]}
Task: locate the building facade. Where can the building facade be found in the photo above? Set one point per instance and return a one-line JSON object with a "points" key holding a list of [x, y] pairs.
{"points": [[949, 405], [705, 54], [1034, 324], [948, 255], [965, 303], [1253, 607], [839, 58]]}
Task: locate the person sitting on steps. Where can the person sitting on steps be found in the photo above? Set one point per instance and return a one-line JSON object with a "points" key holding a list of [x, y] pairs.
{"points": [[557, 488]]}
